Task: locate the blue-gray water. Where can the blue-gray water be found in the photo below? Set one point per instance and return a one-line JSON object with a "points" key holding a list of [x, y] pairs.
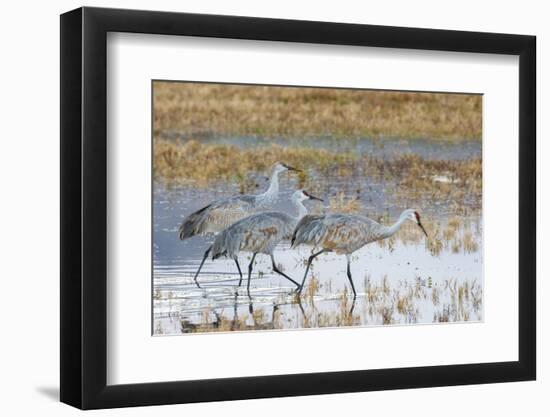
{"points": [[382, 148]]}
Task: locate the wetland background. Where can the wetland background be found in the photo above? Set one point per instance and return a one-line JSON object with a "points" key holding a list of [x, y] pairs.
{"points": [[362, 151]]}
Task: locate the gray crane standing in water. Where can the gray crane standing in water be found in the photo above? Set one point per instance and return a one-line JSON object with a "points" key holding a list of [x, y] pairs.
{"points": [[220, 214], [344, 234], [259, 233]]}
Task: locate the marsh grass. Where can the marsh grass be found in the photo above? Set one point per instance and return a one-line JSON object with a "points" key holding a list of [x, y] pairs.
{"points": [[192, 109], [410, 176], [312, 288], [341, 203], [414, 175], [462, 237], [202, 165]]}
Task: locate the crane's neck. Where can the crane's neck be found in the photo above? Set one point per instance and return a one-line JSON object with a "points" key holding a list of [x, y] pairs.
{"points": [[394, 228], [300, 208], [270, 196]]}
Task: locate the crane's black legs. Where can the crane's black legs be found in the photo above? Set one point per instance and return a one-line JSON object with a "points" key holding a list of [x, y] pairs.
{"points": [[275, 269], [250, 265], [352, 307], [310, 259], [239, 269], [235, 315], [350, 280], [200, 267]]}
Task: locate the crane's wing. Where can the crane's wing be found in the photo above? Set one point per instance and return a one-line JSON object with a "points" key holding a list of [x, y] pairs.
{"points": [[347, 232], [217, 216], [338, 232], [307, 228], [256, 233]]}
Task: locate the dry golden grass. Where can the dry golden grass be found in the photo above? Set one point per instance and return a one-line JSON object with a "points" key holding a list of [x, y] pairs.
{"points": [[425, 175], [195, 163], [414, 179], [199, 164], [340, 203], [191, 109]]}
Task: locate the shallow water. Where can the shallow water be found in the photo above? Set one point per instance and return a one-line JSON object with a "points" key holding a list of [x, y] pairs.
{"points": [[401, 284], [382, 148]]}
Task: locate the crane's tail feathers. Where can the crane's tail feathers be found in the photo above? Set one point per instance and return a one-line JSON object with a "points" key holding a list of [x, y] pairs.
{"points": [[293, 240], [302, 232], [192, 224], [219, 248]]}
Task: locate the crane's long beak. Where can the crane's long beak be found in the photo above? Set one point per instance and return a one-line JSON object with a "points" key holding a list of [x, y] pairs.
{"points": [[422, 227], [312, 197], [292, 168]]}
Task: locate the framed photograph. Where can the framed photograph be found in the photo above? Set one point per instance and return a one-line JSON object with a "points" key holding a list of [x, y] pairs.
{"points": [[258, 208]]}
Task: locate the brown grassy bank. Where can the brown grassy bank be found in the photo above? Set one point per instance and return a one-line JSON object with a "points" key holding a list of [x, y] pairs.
{"points": [[201, 165], [192, 108]]}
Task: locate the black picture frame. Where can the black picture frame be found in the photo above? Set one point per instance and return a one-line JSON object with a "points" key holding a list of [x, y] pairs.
{"points": [[84, 207]]}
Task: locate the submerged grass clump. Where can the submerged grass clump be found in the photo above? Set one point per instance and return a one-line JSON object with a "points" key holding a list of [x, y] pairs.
{"points": [[436, 180], [191, 109], [463, 237]]}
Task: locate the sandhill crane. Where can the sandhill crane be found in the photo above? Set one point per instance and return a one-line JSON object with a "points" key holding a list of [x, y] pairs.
{"points": [[344, 234], [220, 214], [259, 233]]}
